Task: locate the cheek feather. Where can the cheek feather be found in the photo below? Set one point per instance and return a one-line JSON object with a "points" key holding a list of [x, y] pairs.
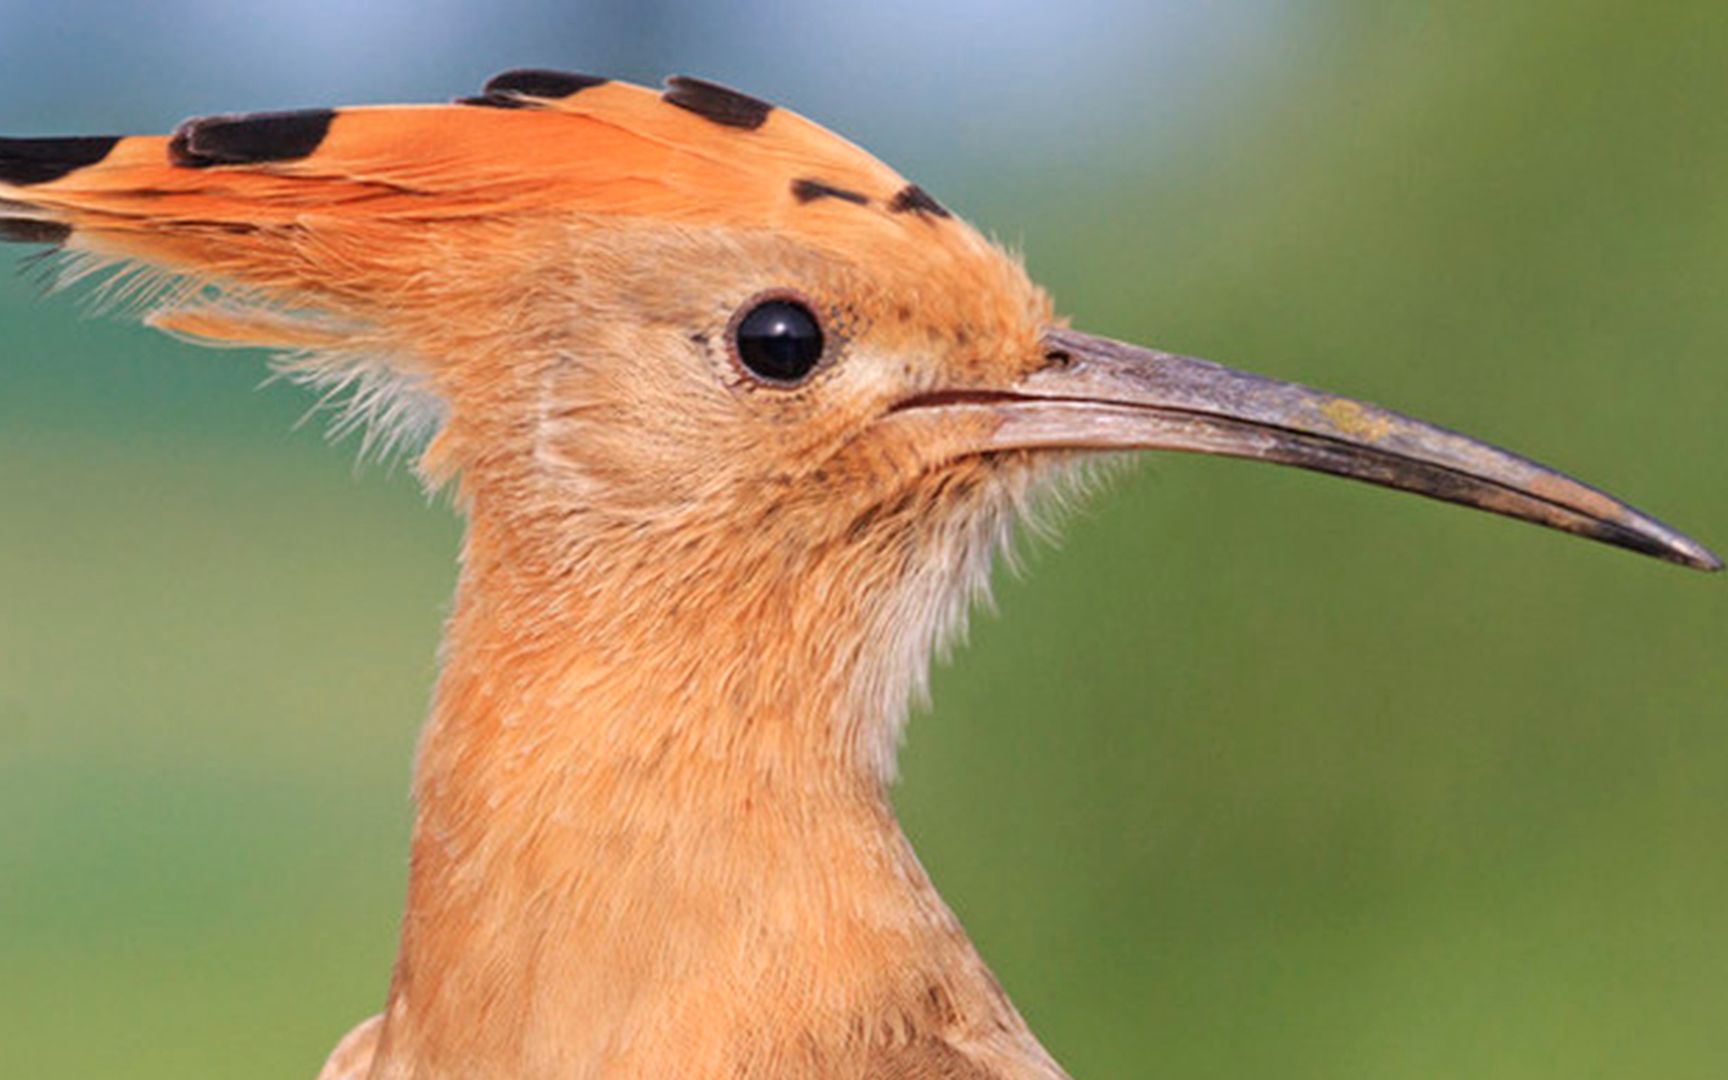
{"points": [[929, 557]]}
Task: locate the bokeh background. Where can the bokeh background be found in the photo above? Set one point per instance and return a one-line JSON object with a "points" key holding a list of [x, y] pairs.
{"points": [[1258, 774]]}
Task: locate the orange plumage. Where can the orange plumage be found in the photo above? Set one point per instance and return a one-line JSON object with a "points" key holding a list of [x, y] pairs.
{"points": [[738, 418], [383, 184]]}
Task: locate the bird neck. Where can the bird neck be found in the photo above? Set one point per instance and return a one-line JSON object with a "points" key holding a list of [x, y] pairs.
{"points": [[644, 823]]}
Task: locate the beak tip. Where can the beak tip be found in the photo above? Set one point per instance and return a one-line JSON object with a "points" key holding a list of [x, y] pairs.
{"points": [[1687, 552], [1707, 560], [1651, 537]]}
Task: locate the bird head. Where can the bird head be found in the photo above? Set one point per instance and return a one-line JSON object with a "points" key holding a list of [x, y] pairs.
{"points": [[690, 339]]}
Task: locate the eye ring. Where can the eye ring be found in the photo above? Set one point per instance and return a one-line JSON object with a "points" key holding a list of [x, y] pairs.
{"points": [[777, 338]]}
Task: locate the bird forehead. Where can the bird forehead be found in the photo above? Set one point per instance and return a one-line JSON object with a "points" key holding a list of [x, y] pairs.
{"points": [[973, 311]]}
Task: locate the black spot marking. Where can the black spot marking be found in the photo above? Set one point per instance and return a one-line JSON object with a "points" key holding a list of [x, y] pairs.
{"points": [[914, 199], [721, 104], [535, 82], [811, 190], [487, 102], [37, 161], [31, 231], [250, 139]]}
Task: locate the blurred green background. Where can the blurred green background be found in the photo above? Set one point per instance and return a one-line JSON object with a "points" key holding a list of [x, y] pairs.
{"points": [[1259, 774]]}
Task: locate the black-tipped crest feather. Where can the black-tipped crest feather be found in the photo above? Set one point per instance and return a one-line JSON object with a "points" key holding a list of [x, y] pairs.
{"points": [[249, 139], [805, 191], [33, 231], [37, 161], [915, 200], [534, 83], [721, 104]]}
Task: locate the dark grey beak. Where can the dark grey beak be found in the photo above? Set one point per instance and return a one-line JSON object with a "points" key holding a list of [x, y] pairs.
{"points": [[1103, 394]]}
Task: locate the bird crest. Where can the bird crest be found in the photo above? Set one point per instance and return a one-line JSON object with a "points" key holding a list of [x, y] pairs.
{"points": [[300, 231]]}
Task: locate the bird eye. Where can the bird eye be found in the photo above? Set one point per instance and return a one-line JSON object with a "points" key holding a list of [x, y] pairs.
{"points": [[778, 340]]}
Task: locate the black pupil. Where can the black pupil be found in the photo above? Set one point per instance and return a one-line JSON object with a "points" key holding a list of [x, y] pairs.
{"points": [[779, 340]]}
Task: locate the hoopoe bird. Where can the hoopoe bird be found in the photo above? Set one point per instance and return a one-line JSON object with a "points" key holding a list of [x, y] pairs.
{"points": [[738, 418]]}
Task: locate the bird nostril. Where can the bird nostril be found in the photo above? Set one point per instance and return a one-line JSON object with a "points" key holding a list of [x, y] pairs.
{"points": [[1057, 358]]}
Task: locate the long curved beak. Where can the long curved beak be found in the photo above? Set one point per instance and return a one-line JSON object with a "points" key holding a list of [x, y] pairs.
{"points": [[1101, 394]]}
